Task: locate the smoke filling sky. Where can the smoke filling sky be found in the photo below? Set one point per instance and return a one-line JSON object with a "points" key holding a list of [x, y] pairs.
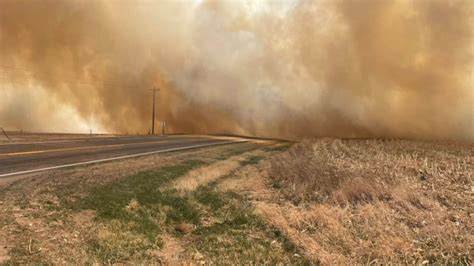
{"points": [[287, 69]]}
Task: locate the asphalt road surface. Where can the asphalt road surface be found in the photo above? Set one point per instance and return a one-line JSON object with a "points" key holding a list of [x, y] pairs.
{"points": [[24, 158]]}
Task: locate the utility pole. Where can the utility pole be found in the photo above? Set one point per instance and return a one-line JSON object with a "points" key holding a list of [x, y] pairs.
{"points": [[153, 115]]}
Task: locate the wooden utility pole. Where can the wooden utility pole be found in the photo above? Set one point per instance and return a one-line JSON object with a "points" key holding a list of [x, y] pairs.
{"points": [[153, 115]]}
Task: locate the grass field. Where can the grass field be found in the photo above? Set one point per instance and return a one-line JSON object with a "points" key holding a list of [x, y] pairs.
{"points": [[326, 201], [381, 201]]}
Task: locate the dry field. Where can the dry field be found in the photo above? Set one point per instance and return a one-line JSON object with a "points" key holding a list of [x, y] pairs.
{"points": [[326, 201], [363, 201]]}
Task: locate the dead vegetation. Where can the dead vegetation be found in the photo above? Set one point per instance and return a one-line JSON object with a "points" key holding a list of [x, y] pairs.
{"points": [[325, 201], [363, 201]]}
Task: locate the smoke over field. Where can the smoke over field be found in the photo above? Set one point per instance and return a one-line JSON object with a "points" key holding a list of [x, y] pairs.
{"points": [[288, 69]]}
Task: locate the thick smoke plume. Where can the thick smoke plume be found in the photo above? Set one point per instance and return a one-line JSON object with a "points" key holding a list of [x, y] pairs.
{"points": [[288, 69]]}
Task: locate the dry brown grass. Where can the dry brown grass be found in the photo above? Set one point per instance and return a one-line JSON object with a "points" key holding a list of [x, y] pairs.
{"points": [[204, 175], [207, 174], [352, 171], [380, 201]]}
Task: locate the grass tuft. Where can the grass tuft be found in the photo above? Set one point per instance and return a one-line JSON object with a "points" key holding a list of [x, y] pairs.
{"points": [[251, 161], [205, 195], [279, 148]]}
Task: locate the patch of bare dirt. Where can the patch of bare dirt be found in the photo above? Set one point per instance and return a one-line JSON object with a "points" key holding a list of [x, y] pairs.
{"points": [[83, 218], [171, 251], [4, 249], [184, 228]]}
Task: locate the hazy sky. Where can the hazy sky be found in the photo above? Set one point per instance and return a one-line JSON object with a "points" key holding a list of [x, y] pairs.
{"points": [[290, 69]]}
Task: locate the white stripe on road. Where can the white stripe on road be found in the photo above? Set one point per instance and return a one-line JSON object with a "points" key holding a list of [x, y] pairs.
{"points": [[118, 158]]}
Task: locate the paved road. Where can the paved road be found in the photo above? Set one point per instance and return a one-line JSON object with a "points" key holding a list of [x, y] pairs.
{"points": [[22, 158]]}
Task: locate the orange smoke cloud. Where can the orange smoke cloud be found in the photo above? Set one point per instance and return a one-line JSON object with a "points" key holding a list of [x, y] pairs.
{"points": [[288, 69]]}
